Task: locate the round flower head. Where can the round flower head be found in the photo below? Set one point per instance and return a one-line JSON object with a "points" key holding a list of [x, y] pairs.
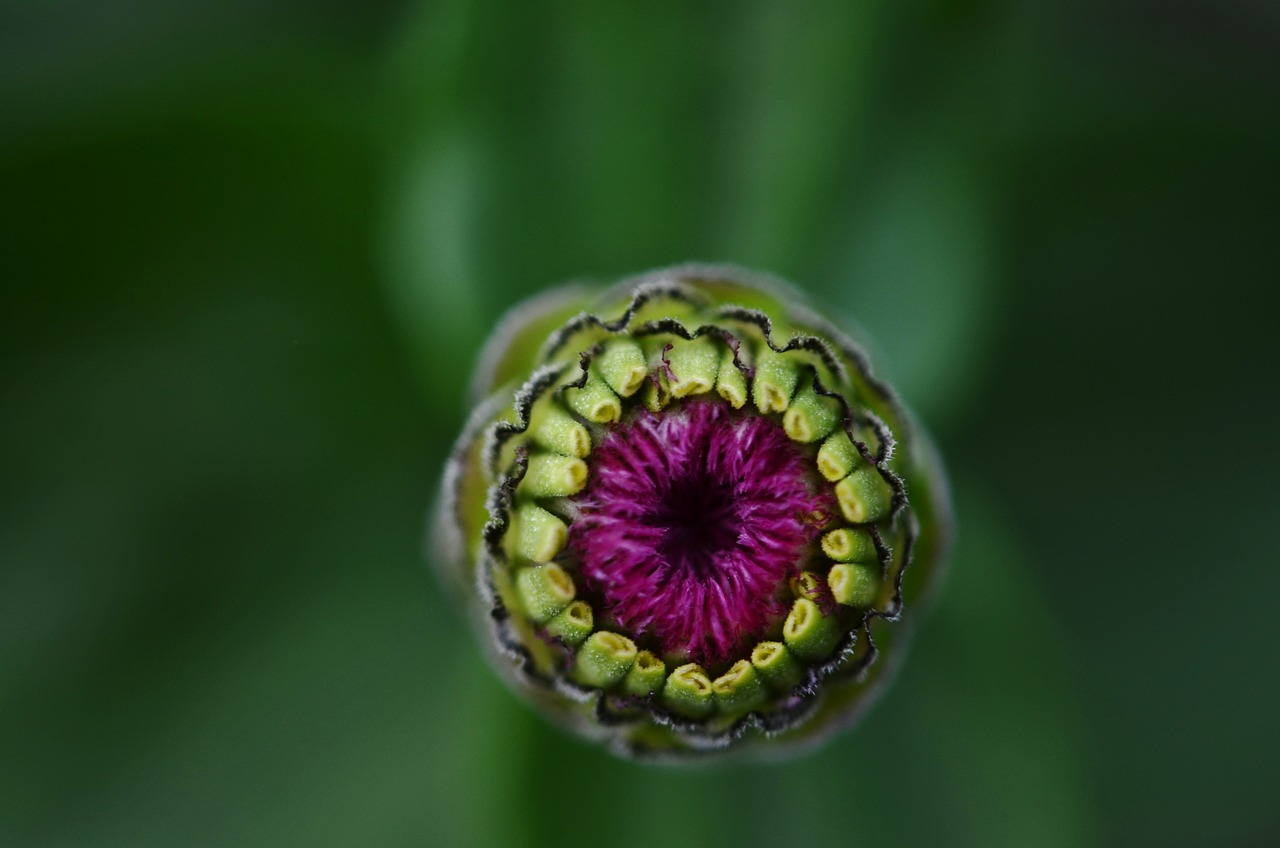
{"points": [[687, 516]]}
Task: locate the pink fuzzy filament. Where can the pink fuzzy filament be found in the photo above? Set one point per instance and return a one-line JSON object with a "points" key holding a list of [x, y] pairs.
{"points": [[692, 523]]}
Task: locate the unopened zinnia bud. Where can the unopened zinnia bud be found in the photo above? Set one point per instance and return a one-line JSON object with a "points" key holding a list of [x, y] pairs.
{"points": [[687, 516]]}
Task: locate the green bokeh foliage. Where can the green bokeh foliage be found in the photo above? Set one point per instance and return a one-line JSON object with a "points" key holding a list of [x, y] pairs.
{"points": [[251, 252]]}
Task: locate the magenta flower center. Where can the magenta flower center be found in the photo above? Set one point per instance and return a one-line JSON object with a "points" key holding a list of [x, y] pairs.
{"points": [[691, 525]]}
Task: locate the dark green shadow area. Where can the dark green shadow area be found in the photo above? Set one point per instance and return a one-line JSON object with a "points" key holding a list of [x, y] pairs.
{"points": [[251, 251]]}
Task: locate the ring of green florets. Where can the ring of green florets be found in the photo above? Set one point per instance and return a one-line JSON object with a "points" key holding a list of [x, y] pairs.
{"points": [[668, 347]]}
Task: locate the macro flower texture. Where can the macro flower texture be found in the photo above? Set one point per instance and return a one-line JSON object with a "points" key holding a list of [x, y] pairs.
{"points": [[686, 516]]}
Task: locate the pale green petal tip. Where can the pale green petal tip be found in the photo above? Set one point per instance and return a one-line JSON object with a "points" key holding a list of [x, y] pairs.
{"points": [[837, 456], [645, 676], [695, 364], [544, 590], [595, 401], [572, 624], [853, 584], [688, 692], [775, 382], [806, 584], [864, 496], [810, 416], [657, 392], [553, 476], [604, 659], [776, 666], [739, 689], [622, 366], [809, 634], [731, 383], [559, 432], [850, 544], [539, 534]]}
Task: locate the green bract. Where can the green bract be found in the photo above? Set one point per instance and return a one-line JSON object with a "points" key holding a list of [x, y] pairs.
{"points": [[572, 370]]}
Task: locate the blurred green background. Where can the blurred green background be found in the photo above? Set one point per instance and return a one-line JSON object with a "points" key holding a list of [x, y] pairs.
{"points": [[250, 250]]}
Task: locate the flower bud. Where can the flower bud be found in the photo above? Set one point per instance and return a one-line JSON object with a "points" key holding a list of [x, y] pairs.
{"points": [[686, 515]]}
